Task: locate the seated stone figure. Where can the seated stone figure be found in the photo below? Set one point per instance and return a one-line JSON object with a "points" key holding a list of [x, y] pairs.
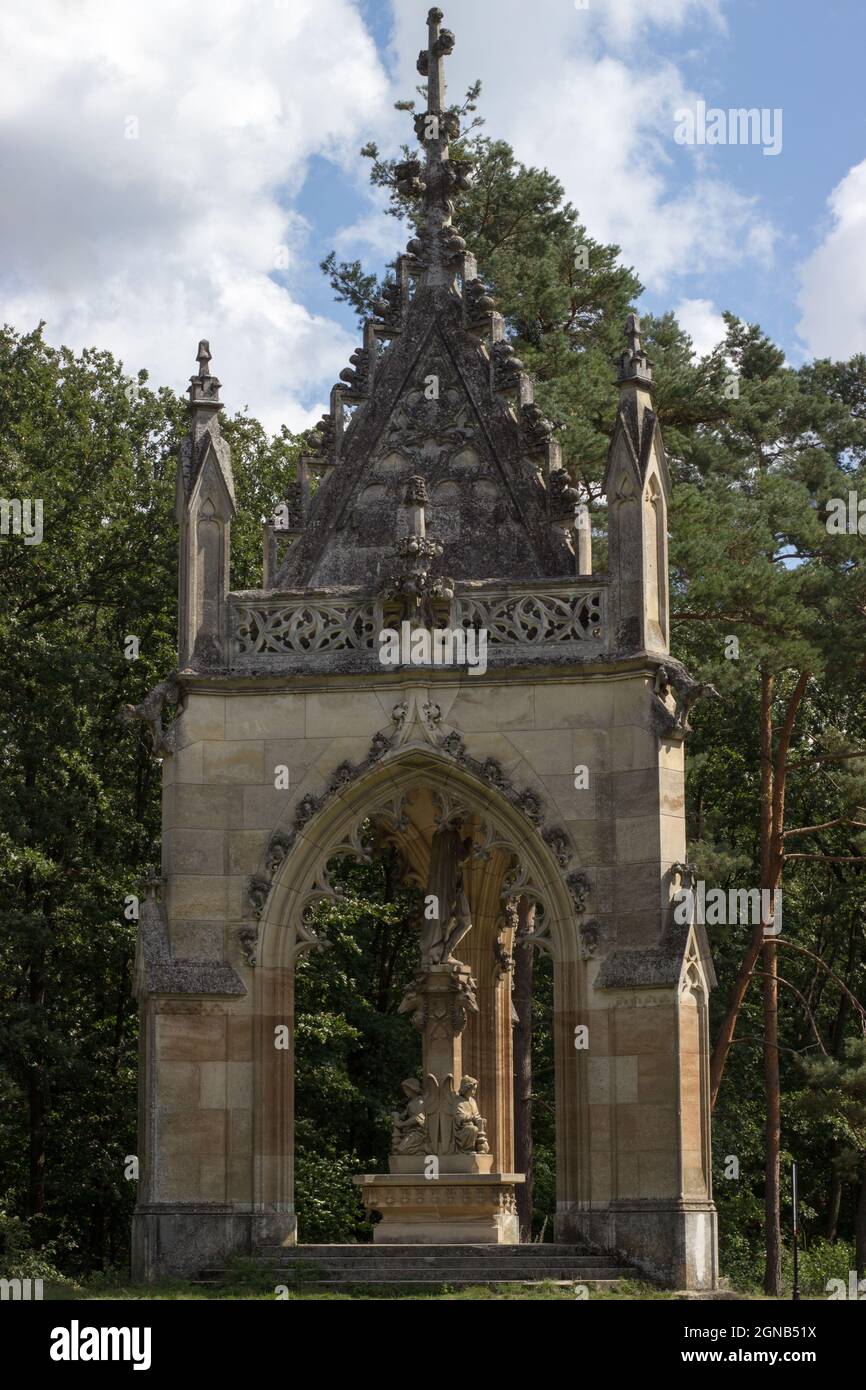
{"points": [[469, 1126], [409, 1125]]}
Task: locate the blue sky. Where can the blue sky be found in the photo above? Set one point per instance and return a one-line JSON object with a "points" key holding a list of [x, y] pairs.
{"points": [[241, 170], [802, 58]]}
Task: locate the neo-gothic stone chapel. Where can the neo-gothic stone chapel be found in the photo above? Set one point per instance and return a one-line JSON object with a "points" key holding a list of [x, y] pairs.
{"points": [[435, 499]]}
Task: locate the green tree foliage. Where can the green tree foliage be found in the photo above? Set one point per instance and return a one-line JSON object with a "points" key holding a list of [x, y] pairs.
{"points": [[79, 793], [353, 1047], [757, 449]]}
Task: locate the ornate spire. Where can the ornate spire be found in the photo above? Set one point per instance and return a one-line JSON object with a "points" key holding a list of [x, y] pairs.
{"points": [[204, 395], [438, 245], [634, 365], [204, 388]]}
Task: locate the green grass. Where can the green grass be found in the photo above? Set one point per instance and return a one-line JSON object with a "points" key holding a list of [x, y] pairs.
{"points": [[253, 1288]]}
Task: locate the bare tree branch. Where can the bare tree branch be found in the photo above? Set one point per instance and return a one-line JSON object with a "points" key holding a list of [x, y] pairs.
{"points": [[827, 825], [804, 951], [809, 1014]]}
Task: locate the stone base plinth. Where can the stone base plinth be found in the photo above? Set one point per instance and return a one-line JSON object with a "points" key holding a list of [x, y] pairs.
{"points": [[463, 1209], [447, 1163], [183, 1238], [673, 1242]]}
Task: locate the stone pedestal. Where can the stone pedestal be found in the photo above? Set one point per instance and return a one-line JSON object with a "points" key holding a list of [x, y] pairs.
{"points": [[441, 1188], [453, 1209]]}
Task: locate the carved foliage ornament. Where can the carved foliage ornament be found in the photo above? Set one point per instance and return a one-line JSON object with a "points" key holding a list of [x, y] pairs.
{"points": [[534, 619], [488, 770]]}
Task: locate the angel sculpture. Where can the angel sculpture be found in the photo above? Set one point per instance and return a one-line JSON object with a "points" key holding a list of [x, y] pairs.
{"points": [[454, 1124], [469, 1126], [409, 1125]]}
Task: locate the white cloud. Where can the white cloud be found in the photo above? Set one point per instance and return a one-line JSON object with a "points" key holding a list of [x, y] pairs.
{"points": [[703, 323], [571, 90], [832, 296], [144, 245], [623, 20]]}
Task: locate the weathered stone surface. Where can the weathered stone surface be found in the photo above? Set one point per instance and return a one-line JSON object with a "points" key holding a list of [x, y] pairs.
{"points": [[451, 506]]}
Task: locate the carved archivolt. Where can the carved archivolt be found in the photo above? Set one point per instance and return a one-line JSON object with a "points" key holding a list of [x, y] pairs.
{"points": [[390, 812], [692, 980]]}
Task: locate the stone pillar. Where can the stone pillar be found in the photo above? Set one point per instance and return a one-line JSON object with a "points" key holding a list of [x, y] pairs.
{"points": [[442, 1187], [204, 507], [637, 484]]}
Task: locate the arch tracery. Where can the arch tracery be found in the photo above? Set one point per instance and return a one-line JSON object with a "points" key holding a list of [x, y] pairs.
{"points": [[403, 801]]}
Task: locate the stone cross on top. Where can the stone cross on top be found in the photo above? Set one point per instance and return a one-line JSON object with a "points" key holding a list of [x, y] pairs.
{"points": [[439, 175]]}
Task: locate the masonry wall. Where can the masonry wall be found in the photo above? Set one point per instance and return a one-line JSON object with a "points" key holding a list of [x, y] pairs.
{"points": [[631, 1126]]}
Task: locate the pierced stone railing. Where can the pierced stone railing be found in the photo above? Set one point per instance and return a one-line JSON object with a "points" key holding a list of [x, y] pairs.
{"points": [[548, 617], [534, 620], [295, 628]]}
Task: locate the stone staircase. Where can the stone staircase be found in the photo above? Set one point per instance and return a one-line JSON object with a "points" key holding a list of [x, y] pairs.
{"points": [[435, 1264]]}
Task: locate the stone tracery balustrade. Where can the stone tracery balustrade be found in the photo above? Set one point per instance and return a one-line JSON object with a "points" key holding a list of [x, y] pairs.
{"points": [[284, 628], [536, 619]]}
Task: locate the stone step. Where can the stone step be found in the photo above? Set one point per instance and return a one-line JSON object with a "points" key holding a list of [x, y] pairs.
{"points": [[436, 1264], [459, 1276], [597, 1284], [605, 1278], [378, 1252], [409, 1261], [453, 1266]]}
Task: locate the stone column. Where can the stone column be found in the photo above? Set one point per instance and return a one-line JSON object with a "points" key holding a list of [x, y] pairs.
{"points": [[441, 1188]]}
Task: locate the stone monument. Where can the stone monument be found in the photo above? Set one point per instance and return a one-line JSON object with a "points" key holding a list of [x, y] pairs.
{"points": [[442, 1186], [544, 785]]}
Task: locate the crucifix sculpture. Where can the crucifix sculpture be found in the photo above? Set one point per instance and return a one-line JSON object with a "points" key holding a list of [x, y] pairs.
{"points": [[438, 1118]]}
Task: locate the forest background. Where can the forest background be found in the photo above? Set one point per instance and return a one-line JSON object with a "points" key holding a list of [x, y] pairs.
{"points": [[768, 604]]}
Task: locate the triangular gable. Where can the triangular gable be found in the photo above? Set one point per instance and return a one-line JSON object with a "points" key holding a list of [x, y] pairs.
{"points": [[640, 436], [201, 464], [431, 413]]}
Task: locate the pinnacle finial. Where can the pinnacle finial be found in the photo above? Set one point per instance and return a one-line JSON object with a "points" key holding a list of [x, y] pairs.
{"points": [[634, 365], [440, 42], [204, 388], [437, 246]]}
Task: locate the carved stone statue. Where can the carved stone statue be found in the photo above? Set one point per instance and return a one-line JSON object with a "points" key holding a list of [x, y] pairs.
{"points": [[441, 934], [469, 1126], [409, 1125], [453, 1122], [167, 692]]}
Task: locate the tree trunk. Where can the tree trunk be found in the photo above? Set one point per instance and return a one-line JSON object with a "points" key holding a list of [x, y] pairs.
{"points": [[772, 1100], [772, 865], [36, 1096], [728, 1026], [834, 1195], [834, 1198], [773, 782], [772, 1126], [524, 964], [860, 1228]]}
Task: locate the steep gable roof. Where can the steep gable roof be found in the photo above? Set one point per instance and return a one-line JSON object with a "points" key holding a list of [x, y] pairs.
{"points": [[445, 400]]}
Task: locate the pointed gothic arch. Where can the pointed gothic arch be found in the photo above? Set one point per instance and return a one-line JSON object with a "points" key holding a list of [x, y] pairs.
{"points": [[481, 517], [527, 867]]}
